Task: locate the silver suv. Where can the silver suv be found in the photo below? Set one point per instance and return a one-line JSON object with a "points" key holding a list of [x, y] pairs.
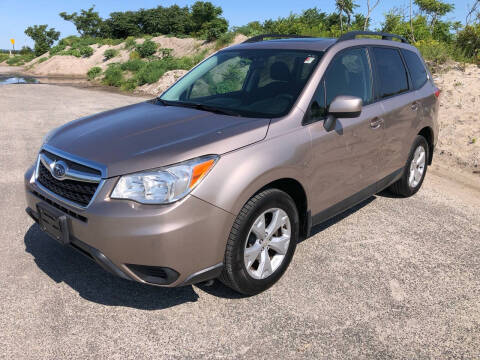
{"points": [[222, 174]]}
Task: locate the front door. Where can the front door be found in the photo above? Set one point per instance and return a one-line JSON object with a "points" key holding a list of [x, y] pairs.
{"points": [[344, 161]]}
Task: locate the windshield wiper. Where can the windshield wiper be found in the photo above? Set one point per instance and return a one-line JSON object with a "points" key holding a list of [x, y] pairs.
{"points": [[213, 109], [198, 106]]}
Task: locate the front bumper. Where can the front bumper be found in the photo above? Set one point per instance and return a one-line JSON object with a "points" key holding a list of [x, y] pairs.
{"points": [[185, 240]]}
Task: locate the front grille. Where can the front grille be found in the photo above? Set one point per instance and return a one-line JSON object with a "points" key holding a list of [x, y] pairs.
{"points": [[77, 191], [60, 207]]}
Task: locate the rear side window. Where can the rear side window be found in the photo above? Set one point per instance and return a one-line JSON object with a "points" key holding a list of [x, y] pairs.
{"points": [[416, 69], [391, 72], [349, 74]]}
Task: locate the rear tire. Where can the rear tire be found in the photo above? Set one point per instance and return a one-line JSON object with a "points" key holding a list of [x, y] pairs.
{"points": [[415, 169], [261, 243]]}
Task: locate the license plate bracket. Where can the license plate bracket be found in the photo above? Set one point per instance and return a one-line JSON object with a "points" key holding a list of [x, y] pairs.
{"points": [[54, 223]]}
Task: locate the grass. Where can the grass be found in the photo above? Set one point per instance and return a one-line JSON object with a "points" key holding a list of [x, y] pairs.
{"points": [[113, 75], [19, 60], [224, 40], [94, 72], [110, 54]]}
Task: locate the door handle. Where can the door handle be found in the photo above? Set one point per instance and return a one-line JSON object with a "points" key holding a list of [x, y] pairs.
{"points": [[414, 106], [375, 123]]}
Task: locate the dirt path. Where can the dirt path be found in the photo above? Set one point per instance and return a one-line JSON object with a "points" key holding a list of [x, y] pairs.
{"points": [[392, 278]]}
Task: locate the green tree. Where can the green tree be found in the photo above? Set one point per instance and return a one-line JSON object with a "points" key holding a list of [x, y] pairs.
{"points": [[434, 9], [42, 37], [88, 23], [206, 20]]}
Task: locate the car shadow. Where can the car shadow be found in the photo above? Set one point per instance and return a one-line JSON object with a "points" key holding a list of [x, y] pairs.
{"points": [[337, 218], [64, 264]]}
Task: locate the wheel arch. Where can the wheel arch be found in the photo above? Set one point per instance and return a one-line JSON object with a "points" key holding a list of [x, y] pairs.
{"points": [[427, 133], [297, 192]]}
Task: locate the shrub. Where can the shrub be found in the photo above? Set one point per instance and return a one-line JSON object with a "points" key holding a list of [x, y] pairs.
{"points": [[434, 51], [15, 60], [151, 72], [468, 40], [148, 48], [86, 51], [113, 75], [110, 54], [74, 52], [56, 49], [134, 55], [224, 40], [166, 52], [94, 72], [129, 85], [133, 65], [41, 60], [130, 43]]}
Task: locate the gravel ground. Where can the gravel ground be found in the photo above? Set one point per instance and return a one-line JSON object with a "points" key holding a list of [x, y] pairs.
{"points": [[392, 278]]}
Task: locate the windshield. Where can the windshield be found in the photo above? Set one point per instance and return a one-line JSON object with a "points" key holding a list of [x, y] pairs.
{"points": [[252, 83]]}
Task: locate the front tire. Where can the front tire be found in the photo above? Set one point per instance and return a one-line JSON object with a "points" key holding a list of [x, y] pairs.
{"points": [[415, 169], [261, 243]]}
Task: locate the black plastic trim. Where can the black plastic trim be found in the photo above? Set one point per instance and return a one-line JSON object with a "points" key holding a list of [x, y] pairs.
{"points": [[209, 273], [385, 36], [150, 274], [262, 37], [356, 198]]}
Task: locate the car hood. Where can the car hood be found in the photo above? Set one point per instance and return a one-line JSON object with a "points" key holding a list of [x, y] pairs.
{"points": [[148, 135]]}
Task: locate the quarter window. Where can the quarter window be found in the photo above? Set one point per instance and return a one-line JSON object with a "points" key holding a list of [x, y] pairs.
{"points": [[349, 74], [391, 72], [416, 68]]}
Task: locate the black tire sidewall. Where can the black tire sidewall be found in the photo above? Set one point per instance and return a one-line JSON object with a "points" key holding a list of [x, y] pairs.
{"points": [[273, 199], [419, 141]]}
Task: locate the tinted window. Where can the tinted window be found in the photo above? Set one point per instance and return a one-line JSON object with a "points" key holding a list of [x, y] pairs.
{"points": [[391, 72], [253, 83], [349, 74], [416, 69]]}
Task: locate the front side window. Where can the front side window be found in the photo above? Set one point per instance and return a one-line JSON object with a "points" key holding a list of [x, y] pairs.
{"points": [[417, 70], [253, 83], [349, 74], [391, 72]]}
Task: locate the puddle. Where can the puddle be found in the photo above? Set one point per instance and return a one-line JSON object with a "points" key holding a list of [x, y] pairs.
{"points": [[5, 80]]}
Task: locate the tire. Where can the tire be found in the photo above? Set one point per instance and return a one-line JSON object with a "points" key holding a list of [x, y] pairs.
{"points": [[268, 205], [405, 187]]}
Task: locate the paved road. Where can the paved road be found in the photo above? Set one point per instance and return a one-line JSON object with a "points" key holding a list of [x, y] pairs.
{"points": [[393, 278]]}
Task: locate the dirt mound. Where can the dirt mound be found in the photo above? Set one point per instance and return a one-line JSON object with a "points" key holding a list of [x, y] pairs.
{"points": [[169, 78], [459, 136], [71, 66]]}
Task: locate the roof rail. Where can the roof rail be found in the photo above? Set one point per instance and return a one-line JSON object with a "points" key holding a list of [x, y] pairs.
{"points": [[385, 36], [275, 36]]}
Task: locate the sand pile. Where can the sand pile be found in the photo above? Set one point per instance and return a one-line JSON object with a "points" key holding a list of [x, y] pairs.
{"points": [[459, 118]]}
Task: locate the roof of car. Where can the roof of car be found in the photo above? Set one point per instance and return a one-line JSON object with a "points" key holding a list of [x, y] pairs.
{"points": [[313, 44], [294, 42]]}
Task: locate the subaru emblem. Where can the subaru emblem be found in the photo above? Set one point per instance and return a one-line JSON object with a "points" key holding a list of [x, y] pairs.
{"points": [[58, 170]]}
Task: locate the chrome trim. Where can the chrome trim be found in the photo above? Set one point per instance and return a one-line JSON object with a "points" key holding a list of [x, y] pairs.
{"points": [[69, 173], [67, 156], [74, 158]]}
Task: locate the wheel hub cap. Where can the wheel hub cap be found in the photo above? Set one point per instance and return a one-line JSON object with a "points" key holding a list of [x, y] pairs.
{"points": [[267, 243], [417, 167]]}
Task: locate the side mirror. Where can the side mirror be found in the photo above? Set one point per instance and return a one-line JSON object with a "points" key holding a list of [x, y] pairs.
{"points": [[343, 106]]}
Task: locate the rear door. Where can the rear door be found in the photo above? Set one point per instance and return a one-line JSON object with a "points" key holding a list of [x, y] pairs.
{"points": [[400, 107], [344, 161]]}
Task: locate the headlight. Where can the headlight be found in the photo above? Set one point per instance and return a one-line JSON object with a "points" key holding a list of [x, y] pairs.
{"points": [[164, 185]]}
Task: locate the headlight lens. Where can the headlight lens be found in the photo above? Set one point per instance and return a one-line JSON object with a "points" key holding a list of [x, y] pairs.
{"points": [[164, 185]]}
